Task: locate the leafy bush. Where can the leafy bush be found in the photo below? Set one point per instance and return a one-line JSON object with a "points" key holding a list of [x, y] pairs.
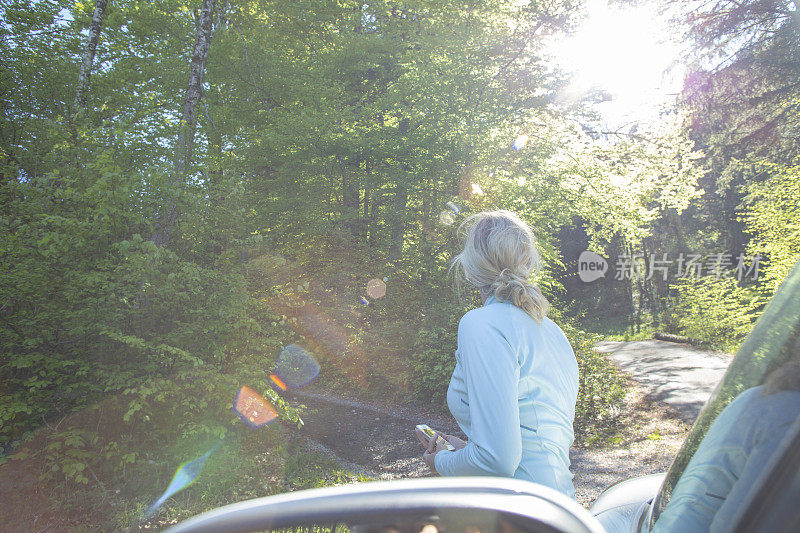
{"points": [[432, 359], [188, 408], [600, 386], [714, 310], [773, 218], [90, 307], [432, 363]]}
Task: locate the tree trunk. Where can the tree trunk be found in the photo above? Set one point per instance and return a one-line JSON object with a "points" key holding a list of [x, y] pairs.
{"points": [[351, 196], [676, 224], [194, 91], [649, 285], [398, 229], [88, 53]]}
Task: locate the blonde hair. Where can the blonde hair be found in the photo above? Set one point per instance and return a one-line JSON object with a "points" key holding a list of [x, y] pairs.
{"points": [[499, 257]]}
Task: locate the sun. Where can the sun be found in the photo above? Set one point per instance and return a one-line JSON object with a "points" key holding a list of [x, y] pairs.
{"points": [[630, 52]]}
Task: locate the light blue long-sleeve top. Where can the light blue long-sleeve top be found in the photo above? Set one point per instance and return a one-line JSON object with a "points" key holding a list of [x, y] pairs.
{"points": [[726, 465], [513, 393]]}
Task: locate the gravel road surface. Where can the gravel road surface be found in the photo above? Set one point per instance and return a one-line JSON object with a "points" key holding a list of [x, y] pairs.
{"points": [[679, 375], [378, 440]]}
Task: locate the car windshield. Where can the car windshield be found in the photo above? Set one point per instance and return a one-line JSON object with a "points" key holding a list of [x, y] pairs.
{"points": [[753, 410], [247, 247]]}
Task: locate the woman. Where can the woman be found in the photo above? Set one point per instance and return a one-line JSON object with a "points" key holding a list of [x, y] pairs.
{"points": [[515, 384]]}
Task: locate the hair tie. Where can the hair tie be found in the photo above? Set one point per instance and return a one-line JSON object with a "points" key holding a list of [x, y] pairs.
{"points": [[505, 276]]}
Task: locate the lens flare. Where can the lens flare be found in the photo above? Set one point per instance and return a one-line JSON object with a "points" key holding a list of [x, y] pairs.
{"points": [[277, 382], [184, 476], [453, 207], [295, 367], [363, 301], [376, 289], [476, 189], [253, 408], [520, 142], [447, 218]]}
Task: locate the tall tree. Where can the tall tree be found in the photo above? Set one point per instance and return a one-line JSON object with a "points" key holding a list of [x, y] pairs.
{"points": [[744, 112], [89, 52], [746, 105], [185, 144]]}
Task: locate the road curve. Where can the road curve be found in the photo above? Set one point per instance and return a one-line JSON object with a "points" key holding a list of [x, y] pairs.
{"points": [[679, 375]]}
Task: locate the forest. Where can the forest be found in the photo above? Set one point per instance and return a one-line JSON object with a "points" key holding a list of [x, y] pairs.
{"points": [[189, 186]]}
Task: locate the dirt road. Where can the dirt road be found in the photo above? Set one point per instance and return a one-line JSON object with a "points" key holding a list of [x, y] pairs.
{"points": [[679, 375], [379, 442]]}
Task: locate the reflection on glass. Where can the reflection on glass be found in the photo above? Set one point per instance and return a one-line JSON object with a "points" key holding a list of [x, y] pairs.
{"points": [[736, 433], [184, 476], [447, 218], [733, 453], [253, 408], [336, 527], [446, 520], [296, 367], [376, 289]]}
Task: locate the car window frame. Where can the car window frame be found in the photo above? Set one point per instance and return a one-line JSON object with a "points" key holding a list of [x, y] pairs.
{"points": [[551, 509]]}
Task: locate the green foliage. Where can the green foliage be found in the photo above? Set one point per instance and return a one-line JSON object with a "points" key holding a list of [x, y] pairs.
{"points": [[600, 385], [272, 462], [193, 406], [197, 404], [623, 188], [313, 470], [68, 452], [773, 217], [714, 310], [432, 361], [101, 327]]}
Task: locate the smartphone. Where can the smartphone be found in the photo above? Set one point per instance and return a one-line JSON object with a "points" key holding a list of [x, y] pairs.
{"points": [[430, 433]]}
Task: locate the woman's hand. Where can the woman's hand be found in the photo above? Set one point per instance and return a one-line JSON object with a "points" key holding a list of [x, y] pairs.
{"points": [[455, 441], [432, 447]]}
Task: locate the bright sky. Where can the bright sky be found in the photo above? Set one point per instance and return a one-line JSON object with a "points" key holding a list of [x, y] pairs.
{"points": [[628, 51]]}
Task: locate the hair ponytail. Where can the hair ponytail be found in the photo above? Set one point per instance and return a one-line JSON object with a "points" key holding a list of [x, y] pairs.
{"points": [[517, 290]]}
